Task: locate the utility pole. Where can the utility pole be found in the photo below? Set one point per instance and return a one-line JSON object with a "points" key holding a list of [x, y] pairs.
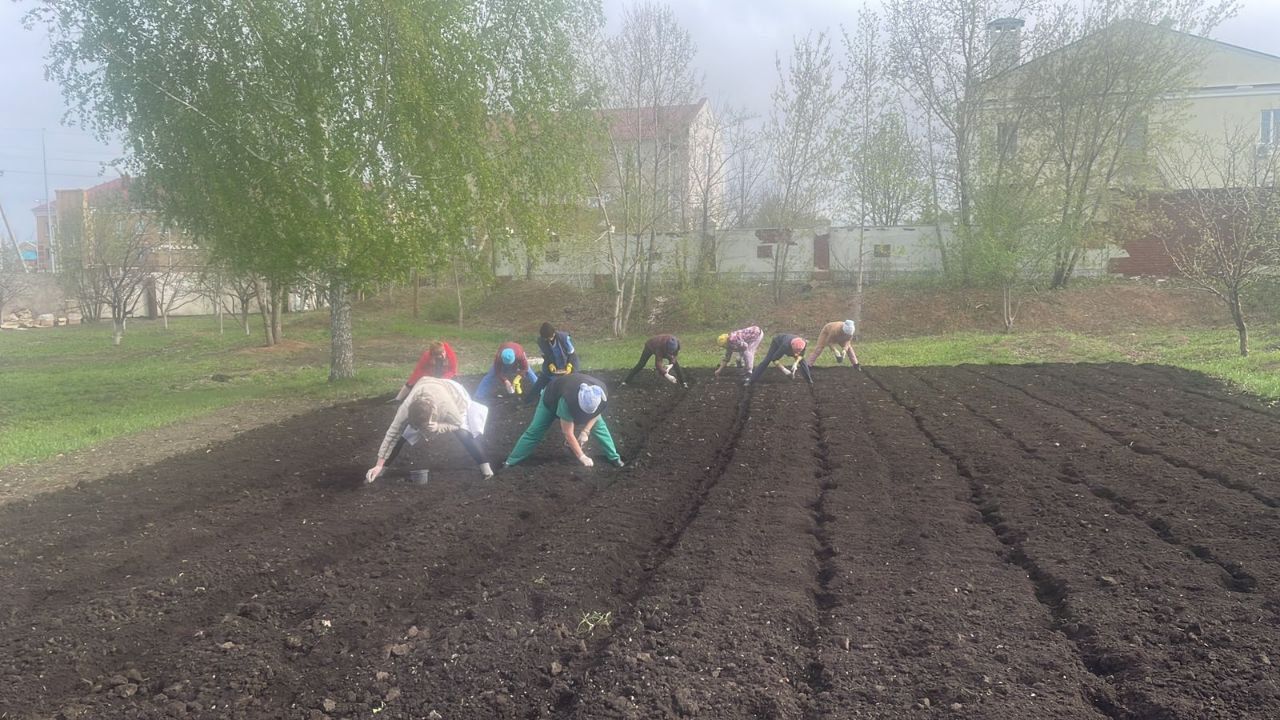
{"points": [[48, 206]]}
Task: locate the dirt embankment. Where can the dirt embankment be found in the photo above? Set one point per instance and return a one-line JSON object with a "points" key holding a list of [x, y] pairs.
{"points": [[890, 311], [981, 542]]}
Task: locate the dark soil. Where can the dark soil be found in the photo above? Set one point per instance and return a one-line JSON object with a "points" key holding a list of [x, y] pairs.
{"points": [[979, 542]]}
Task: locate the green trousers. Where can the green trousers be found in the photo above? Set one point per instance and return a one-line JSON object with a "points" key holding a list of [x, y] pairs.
{"points": [[542, 420]]}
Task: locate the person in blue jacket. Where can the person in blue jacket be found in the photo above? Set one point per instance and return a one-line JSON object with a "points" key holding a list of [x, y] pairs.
{"points": [[558, 358]]}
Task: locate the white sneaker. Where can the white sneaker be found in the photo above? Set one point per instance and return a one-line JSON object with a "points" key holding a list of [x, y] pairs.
{"points": [[486, 471]]}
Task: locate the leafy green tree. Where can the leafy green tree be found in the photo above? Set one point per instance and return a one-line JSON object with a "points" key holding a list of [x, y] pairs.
{"points": [[346, 138]]}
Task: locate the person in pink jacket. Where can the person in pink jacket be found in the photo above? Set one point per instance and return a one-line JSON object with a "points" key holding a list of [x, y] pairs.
{"points": [[839, 337], [744, 342]]}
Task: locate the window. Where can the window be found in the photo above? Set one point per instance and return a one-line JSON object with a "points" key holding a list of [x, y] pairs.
{"points": [[1270, 134], [1007, 139], [883, 251], [764, 252]]}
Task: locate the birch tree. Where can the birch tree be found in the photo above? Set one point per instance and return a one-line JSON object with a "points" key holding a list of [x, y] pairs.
{"points": [[803, 136], [333, 136], [647, 73]]}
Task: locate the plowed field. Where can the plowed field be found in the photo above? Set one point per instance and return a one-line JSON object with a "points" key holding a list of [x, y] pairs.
{"points": [[979, 542]]}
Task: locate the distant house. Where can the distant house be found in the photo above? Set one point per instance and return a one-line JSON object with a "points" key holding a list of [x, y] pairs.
{"points": [[1233, 88], [674, 146], [168, 255]]}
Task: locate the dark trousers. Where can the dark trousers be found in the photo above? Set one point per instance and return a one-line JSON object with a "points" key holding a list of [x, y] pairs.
{"points": [[467, 439], [777, 351], [644, 359]]}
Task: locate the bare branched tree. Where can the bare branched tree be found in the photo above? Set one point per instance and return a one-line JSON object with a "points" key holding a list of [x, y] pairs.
{"points": [[1221, 224], [173, 279], [803, 134], [647, 73], [940, 54], [118, 241]]}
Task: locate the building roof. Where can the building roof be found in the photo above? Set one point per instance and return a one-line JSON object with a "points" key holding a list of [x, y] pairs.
{"points": [[116, 185], [1130, 23], [646, 122]]}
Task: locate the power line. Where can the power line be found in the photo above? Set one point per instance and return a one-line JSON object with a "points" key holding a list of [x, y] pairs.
{"points": [[5, 171], [58, 158]]}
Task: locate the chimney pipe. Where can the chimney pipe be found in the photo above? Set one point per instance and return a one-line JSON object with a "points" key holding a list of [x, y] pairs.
{"points": [[1004, 43]]}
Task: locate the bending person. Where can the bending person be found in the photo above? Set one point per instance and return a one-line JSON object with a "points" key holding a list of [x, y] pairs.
{"points": [[839, 337], [559, 357], [578, 402], [744, 342], [662, 348], [510, 372], [434, 406], [782, 346], [438, 361]]}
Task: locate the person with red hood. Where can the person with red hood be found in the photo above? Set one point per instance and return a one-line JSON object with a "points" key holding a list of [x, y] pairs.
{"points": [[439, 361]]}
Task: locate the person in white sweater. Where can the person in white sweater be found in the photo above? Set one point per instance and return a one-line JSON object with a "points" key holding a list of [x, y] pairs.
{"points": [[433, 407]]}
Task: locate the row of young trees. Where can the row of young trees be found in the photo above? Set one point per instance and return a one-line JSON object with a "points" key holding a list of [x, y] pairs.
{"points": [[337, 138]]}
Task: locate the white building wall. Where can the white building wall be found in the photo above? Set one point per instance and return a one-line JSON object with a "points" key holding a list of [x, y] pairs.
{"points": [[748, 253]]}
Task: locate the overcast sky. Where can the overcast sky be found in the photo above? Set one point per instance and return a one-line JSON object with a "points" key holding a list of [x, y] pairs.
{"points": [[737, 41]]}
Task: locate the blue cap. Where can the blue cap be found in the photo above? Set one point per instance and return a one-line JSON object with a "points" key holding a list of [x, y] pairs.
{"points": [[673, 346], [590, 397], [508, 356]]}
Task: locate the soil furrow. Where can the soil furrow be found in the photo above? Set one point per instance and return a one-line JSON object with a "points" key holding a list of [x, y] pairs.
{"points": [[933, 616], [1143, 444], [1213, 428], [1219, 528], [817, 676], [1050, 591], [1234, 577], [1116, 572]]}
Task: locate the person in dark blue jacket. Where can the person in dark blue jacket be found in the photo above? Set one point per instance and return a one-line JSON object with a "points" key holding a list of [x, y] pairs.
{"points": [[782, 346], [558, 358]]}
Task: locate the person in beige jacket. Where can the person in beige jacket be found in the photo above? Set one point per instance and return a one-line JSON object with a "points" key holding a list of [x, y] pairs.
{"points": [[839, 337], [433, 407]]}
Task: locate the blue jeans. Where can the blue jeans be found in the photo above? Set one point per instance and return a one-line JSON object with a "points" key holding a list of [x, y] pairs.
{"points": [[491, 383]]}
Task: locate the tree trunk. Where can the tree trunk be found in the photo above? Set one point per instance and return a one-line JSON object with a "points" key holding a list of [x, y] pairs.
{"points": [[264, 295], [117, 327], [342, 356], [279, 296], [457, 286], [413, 278], [1237, 314], [1010, 312], [645, 298]]}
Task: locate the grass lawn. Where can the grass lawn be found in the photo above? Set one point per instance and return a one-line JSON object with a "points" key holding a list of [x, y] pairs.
{"points": [[67, 388]]}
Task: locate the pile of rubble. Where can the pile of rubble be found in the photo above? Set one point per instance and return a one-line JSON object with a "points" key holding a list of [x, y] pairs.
{"points": [[23, 319]]}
